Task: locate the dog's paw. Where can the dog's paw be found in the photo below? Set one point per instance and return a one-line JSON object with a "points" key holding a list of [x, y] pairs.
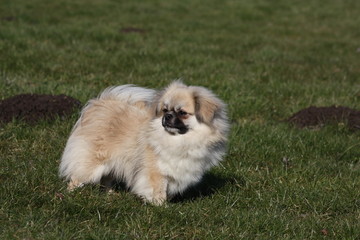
{"points": [[73, 184]]}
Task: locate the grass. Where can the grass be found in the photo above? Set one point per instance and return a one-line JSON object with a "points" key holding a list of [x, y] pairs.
{"points": [[266, 59]]}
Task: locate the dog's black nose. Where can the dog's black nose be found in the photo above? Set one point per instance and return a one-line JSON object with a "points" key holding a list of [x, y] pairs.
{"points": [[168, 116]]}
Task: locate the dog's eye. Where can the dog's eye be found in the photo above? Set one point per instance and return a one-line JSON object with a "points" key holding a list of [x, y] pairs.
{"points": [[165, 110], [182, 113]]}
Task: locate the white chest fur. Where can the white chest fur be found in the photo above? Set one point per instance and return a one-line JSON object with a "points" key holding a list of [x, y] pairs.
{"points": [[183, 159]]}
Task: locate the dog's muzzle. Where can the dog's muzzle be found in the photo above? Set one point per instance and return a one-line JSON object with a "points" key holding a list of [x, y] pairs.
{"points": [[173, 124]]}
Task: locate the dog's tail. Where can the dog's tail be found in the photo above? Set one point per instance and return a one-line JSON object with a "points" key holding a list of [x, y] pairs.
{"points": [[129, 93]]}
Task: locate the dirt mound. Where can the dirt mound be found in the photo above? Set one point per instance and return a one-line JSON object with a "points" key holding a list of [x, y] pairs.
{"points": [[33, 108], [318, 116]]}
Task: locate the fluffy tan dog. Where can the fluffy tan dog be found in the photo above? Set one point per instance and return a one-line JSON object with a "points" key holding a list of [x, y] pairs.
{"points": [[157, 142]]}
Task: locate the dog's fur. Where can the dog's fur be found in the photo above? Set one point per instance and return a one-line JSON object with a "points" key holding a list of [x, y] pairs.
{"points": [[158, 143]]}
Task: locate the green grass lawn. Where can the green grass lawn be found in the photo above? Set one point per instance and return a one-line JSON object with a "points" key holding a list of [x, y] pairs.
{"points": [[266, 59]]}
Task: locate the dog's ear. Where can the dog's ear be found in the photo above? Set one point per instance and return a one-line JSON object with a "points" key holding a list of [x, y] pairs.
{"points": [[157, 104], [207, 105]]}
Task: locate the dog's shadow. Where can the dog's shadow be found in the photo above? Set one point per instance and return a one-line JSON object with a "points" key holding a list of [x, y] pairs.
{"points": [[208, 186]]}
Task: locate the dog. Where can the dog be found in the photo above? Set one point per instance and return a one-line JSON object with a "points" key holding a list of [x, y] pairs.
{"points": [[157, 142]]}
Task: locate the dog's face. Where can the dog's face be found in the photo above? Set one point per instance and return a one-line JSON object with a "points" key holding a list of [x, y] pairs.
{"points": [[177, 109], [182, 108]]}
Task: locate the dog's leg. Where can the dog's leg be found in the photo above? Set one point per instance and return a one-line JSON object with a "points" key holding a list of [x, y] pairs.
{"points": [[160, 192], [107, 183], [152, 186], [158, 184]]}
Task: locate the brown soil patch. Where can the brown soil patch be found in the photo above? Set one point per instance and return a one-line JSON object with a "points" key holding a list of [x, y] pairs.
{"points": [[33, 108], [8, 19], [318, 116]]}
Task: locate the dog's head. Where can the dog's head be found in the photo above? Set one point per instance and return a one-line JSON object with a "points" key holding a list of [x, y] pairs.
{"points": [[183, 107]]}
